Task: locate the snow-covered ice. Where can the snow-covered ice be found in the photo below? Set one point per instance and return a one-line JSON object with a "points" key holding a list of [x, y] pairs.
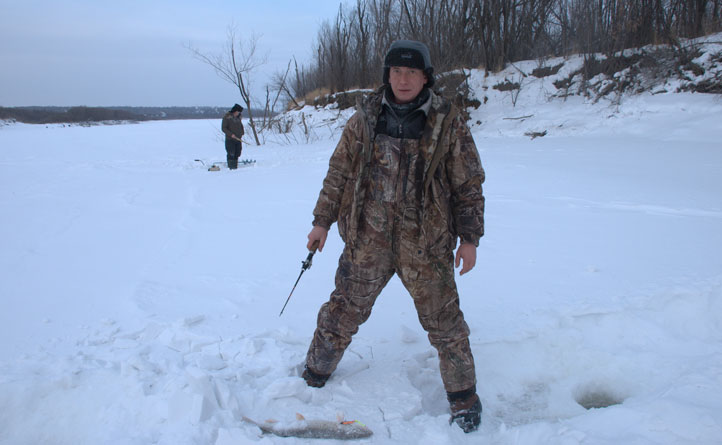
{"points": [[141, 292]]}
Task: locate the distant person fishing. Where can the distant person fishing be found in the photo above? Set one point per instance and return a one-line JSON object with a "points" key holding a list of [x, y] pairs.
{"points": [[232, 127]]}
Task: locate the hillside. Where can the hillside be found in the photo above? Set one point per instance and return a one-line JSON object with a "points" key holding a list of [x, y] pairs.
{"points": [[505, 103]]}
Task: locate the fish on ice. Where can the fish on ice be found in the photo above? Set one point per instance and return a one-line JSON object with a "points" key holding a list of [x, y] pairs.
{"points": [[315, 429]]}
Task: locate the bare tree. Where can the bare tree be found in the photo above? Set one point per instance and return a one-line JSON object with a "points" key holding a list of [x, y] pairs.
{"points": [[280, 85], [235, 63], [349, 50]]}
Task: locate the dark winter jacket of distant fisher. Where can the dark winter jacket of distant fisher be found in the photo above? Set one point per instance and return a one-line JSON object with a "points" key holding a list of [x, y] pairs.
{"points": [[441, 193], [232, 125]]}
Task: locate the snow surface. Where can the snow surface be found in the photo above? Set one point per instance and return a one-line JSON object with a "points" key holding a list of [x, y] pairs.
{"points": [[141, 292]]}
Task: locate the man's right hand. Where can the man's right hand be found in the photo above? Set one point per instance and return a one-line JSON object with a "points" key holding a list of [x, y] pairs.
{"points": [[317, 235]]}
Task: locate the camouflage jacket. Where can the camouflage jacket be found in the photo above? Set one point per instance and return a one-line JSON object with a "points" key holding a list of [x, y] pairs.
{"points": [[452, 201]]}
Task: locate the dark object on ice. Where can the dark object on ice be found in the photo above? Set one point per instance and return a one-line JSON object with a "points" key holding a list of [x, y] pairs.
{"points": [[536, 134], [217, 166]]}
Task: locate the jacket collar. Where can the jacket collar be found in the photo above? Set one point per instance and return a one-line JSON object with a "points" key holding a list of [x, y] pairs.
{"points": [[372, 103], [425, 106]]}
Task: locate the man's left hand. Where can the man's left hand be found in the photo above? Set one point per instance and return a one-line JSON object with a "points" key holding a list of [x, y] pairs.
{"points": [[466, 253]]}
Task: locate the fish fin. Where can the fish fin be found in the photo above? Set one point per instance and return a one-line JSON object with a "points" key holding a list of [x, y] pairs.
{"points": [[299, 416], [264, 427], [246, 419], [339, 417], [252, 422]]}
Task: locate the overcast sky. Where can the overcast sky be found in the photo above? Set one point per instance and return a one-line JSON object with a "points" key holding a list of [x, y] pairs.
{"points": [[130, 52]]}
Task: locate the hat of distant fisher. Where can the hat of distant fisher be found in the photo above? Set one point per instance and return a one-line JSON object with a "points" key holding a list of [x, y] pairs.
{"points": [[236, 107], [411, 54]]}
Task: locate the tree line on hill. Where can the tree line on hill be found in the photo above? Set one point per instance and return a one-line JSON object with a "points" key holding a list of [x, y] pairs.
{"points": [[349, 50]]}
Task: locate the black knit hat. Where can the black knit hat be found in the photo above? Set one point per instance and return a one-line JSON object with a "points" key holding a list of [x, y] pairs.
{"points": [[236, 107], [412, 54]]}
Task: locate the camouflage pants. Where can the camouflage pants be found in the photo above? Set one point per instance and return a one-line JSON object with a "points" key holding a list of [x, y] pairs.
{"points": [[362, 273]]}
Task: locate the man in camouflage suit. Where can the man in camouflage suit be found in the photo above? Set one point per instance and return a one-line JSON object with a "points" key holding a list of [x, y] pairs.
{"points": [[403, 183]]}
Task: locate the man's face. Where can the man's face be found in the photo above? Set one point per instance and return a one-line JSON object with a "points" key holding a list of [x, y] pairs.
{"points": [[406, 83]]}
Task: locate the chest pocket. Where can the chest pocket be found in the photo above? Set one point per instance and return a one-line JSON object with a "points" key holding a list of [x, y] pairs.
{"points": [[385, 165], [396, 171]]}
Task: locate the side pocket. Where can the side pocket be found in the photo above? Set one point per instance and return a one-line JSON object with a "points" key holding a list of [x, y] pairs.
{"points": [[344, 212], [438, 222]]}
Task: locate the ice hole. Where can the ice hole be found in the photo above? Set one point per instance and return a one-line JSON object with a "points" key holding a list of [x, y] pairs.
{"points": [[595, 397]]}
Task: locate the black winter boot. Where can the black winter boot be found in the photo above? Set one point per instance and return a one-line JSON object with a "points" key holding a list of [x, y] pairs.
{"points": [[465, 409], [313, 379]]}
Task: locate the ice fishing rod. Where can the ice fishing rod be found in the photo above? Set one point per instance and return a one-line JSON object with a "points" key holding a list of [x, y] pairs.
{"points": [[306, 264]]}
